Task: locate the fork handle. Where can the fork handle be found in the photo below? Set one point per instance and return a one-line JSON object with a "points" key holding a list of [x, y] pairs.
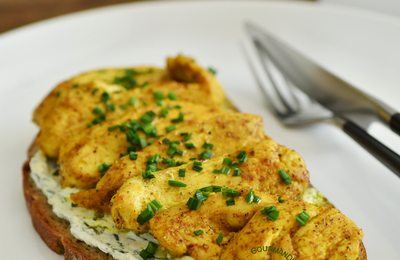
{"points": [[395, 123], [385, 155]]}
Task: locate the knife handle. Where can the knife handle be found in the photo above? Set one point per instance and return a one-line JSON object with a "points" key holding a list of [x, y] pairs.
{"points": [[385, 155], [395, 123]]}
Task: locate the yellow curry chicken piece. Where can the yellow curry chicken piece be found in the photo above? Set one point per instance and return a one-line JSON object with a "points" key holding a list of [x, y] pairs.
{"points": [[70, 107], [175, 227], [81, 156], [259, 172], [227, 132], [327, 234]]}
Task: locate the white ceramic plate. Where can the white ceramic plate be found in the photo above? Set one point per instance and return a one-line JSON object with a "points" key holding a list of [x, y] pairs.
{"points": [[360, 46]]}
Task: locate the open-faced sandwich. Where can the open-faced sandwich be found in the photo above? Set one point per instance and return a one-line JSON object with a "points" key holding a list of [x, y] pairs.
{"points": [[145, 163]]}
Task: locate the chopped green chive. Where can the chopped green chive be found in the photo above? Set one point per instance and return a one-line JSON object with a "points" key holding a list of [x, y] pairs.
{"points": [[268, 210], [226, 192], [166, 141], [193, 203], [105, 97], [133, 155], [103, 168], [151, 167], [234, 166], [219, 238], [216, 171], [96, 121], [172, 96], [112, 128], [148, 174], [188, 137], [144, 103], [182, 172], [111, 107], [182, 134], [303, 218], [179, 119], [285, 177], [56, 173], [131, 149], [250, 196], [206, 155], [280, 200], [227, 161], [158, 95], [271, 212], [179, 152], [123, 107], [159, 103], [132, 101], [198, 232], [164, 112], [176, 183], [201, 195], [94, 91], [61, 252], [208, 146], [97, 111], [256, 199], [179, 163], [193, 159], [230, 202], [197, 168], [142, 142], [153, 159], [148, 117], [212, 70], [274, 215], [243, 159], [58, 94], [241, 154], [75, 85], [149, 130], [197, 163], [225, 170], [170, 128], [172, 150], [207, 189], [217, 188], [146, 215], [236, 172], [151, 248], [155, 205], [189, 145], [74, 205]]}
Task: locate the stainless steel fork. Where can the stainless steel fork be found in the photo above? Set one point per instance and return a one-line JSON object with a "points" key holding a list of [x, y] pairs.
{"points": [[294, 108]]}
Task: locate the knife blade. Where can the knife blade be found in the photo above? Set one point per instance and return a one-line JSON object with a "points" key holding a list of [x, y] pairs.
{"points": [[330, 91]]}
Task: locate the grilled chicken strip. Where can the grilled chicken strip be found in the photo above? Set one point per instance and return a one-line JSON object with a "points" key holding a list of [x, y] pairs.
{"points": [[69, 108], [81, 156], [259, 172], [174, 228], [227, 132], [327, 234]]}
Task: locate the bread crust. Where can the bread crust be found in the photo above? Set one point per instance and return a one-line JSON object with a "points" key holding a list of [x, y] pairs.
{"points": [[55, 232]]}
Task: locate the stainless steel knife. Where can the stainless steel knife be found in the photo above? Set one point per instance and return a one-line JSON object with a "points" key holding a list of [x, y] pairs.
{"points": [[327, 89], [347, 103]]}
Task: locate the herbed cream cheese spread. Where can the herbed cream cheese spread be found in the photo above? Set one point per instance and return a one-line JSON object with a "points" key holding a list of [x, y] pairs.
{"points": [[94, 229]]}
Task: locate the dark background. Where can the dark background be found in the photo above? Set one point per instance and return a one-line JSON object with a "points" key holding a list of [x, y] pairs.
{"points": [[15, 13]]}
